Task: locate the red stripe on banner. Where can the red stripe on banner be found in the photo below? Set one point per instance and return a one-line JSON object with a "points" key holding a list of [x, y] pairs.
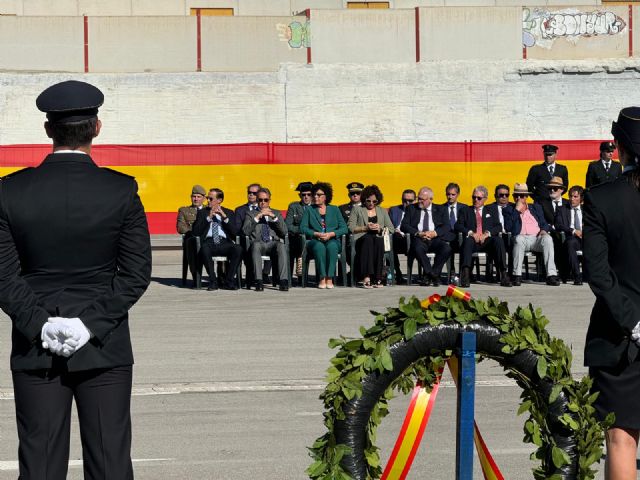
{"points": [[199, 40], [631, 30], [417, 34], [310, 153], [86, 44], [162, 222]]}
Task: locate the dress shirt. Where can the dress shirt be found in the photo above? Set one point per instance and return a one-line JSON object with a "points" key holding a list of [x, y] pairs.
{"points": [[556, 203], [217, 225], [431, 227], [529, 224], [573, 209], [500, 207]]}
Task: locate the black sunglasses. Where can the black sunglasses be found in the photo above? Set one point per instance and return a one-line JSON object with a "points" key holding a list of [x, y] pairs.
{"points": [[502, 195], [305, 194], [554, 189], [407, 200], [520, 195], [211, 199], [251, 192], [264, 200], [354, 193], [475, 197]]}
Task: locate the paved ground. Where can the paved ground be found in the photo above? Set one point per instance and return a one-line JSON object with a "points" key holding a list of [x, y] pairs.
{"points": [[227, 383]]}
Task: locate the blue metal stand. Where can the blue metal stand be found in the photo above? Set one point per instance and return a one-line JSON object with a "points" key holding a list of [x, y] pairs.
{"points": [[466, 397]]}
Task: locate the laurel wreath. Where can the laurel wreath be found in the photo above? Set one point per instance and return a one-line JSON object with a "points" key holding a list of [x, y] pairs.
{"points": [[566, 405]]}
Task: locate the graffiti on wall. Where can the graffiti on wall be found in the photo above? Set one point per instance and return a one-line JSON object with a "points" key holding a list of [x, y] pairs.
{"points": [[296, 34], [542, 27]]}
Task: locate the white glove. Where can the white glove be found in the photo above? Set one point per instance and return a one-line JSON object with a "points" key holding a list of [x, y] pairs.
{"points": [[58, 338], [77, 335], [635, 334]]}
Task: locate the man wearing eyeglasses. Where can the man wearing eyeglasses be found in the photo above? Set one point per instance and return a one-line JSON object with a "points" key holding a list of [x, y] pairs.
{"points": [[530, 233], [480, 228], [551, 207], [355, 190], [396, 214], [429, 229], [216, 228], [266, 231], [539, 175], [240, 215], [293, 219]]}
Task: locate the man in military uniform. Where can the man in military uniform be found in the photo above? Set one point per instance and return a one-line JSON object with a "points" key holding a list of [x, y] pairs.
{"points": [[293, 219], [355, 190], [541, 174], [604, 169], [70, 270], [187, 215]]}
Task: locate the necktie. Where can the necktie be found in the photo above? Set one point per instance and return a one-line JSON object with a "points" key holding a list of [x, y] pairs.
{"points": [[266, 235], [215, 233], [576, 220], [425, 222], [478, 222], [606, 166], [551, 169], [452, 216], [556, 204]]}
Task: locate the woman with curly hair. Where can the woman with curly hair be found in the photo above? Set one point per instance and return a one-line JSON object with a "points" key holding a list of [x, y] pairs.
{"points": [[323, 225], [367, 223]]}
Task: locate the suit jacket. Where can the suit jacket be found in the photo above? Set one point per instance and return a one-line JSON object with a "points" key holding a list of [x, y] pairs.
{"points": [[459, 207], [495, 204], [563, 220], [238, 219], [549, 213], [539, 176], [610, 247], [186, 217], [253, 229], [490, 220], [311, 222], [513, 221], [360, 218], [84, 251], [201, 225], [395, 214], [410, 223], [294, 217], [596, 173]]}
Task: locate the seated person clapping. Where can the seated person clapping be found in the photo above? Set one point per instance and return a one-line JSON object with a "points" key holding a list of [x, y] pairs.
{"points": [[323, 225], [367, 224]]}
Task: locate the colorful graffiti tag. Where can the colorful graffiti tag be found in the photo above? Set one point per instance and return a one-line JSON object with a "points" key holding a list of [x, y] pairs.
{"points": [[541, 27], [296, 34]]}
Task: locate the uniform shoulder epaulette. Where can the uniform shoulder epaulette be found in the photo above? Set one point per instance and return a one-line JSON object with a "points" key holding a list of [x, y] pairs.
{"points": [[117, 172], [16, 173]]}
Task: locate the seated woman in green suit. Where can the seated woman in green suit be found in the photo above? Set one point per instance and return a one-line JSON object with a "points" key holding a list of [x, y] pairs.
{"points": [[367, 223], [323, 225]]}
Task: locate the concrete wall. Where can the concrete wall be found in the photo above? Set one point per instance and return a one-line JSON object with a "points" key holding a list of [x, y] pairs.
{"points": [[455, 33], [251, 43], [42, 44], [346, 36], [142, 44], [488, 101]]}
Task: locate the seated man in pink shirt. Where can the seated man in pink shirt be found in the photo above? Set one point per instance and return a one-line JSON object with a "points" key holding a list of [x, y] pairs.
{"points": [[530, 231]]}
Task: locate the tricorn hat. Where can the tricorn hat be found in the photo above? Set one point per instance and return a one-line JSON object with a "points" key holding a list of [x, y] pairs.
{"points": [[548, 148], [70, 101], [627, 128], [607, 146], [198, 190], [355, 186], [304, 187], [556, 182], [521, 188]]}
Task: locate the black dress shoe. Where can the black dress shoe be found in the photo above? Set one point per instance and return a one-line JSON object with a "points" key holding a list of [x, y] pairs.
{"points": [[400, 280], [284, 286], [553, 281], [517, 281], [230, 286], [504, 280], [259, 286], [465, 277], [435, 280], [578, 280], [212, 287]]}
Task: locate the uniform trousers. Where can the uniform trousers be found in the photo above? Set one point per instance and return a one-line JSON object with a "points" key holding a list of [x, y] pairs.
{"points": [[43, 412], [226, 248], [534, 243], [325, 255], [258, 249], [441, 248], [493, 246]]}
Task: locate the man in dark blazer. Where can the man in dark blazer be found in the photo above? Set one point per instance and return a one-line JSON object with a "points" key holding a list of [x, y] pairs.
{"points": [[550, 207], [70, 269], [238, 221], [428, 227], [530, 232], [569, 221], [216, 228], [541, 174], [267, 231], [453, 208], [483, 236], [396, 214], [604, 169]]}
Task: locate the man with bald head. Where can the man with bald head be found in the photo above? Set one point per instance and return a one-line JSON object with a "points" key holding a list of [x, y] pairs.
{"points": [[428, 226]]}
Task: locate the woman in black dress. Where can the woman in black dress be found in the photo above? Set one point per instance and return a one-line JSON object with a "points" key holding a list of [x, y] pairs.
{"points": [[611, 238]]}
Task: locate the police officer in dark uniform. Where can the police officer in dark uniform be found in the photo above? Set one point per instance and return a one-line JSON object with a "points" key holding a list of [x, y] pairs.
{"points": [[71, 266], [604, 169], [540, 175]]}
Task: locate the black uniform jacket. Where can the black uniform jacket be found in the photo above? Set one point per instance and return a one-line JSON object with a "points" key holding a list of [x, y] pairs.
{"points": [[596, 174], [611, 237], [74, 242], [490, 220], [539, 176], [201, 226], [410, 222]]}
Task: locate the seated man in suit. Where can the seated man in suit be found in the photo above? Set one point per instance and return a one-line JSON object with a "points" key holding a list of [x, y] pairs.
{"points": [[266, 230], [453, 207], [428, 227], [293, 219], [215, 227], [480, 228], [604, 169], [530, 232], [239, 215], [399, 241], [569, 221]]}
